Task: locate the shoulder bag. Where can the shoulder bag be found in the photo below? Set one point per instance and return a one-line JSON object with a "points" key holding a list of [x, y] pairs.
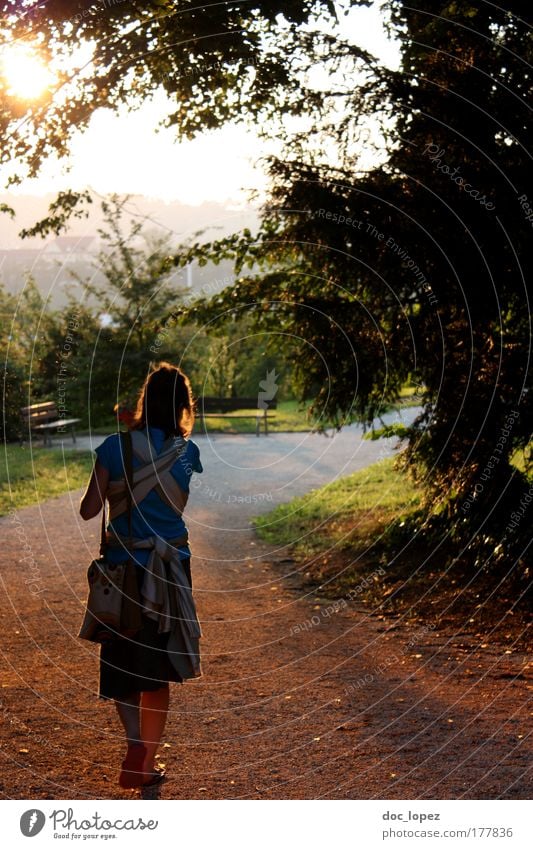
{"points": [[106, 616]]}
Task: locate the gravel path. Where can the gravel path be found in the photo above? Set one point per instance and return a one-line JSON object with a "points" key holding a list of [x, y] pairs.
{"points": [[296, 700]]}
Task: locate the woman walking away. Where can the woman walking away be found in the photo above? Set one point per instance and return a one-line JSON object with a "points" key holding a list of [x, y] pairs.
{"points": [[147, 494]]}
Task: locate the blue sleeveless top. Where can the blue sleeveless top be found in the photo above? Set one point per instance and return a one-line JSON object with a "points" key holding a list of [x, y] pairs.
{"points": [[151, 517]]}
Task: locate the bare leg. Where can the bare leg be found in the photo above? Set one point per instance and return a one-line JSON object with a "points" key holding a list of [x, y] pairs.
{"points": [[154, 708], [132, 772], [128, 711]]}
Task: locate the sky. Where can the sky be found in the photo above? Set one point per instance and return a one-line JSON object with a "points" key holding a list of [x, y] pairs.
{"points": [[121, 153]]}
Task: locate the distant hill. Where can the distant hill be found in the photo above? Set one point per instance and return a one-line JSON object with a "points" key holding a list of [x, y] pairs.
{"points": [[52, 260]]}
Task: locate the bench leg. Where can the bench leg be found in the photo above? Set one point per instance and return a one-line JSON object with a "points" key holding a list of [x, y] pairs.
{"points": [[261, 419]]}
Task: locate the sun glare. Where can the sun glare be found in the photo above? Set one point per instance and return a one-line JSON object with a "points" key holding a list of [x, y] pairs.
{"points": [[25, 74]]}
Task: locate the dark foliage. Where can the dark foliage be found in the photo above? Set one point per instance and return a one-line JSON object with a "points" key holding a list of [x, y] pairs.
{"points": [[419, 266]]}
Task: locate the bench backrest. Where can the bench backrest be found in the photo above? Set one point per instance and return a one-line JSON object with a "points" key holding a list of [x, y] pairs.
{"points": [[40, 413], [210, 404]]}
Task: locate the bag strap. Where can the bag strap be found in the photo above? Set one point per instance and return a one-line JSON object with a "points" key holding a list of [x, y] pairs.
{"points": [[128, 468], [103, 544], [127, 447]]}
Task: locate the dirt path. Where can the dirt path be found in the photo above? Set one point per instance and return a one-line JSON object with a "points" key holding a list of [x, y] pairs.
{"points": [[296, 701]]}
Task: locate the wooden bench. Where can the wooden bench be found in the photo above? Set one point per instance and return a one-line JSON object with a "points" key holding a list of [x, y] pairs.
{"points": [[43, 418], [223, 408]]}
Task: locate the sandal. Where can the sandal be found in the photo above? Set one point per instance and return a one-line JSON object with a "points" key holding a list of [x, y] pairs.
{"points": [[132, 766], [158, 776]]}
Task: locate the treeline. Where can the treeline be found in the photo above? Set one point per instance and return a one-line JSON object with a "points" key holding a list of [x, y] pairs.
{"points": [[95, 352]]}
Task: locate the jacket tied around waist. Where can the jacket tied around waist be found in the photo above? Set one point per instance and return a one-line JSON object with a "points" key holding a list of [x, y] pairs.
{"points": [[166, 596]]}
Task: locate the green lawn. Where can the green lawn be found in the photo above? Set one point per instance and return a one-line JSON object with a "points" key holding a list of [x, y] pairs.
{"points": [[349, 512], [288, 417], [29, 475], [354, 540]]}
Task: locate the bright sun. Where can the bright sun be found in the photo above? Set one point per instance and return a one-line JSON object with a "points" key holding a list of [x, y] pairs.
{"points": [[25, 74]]}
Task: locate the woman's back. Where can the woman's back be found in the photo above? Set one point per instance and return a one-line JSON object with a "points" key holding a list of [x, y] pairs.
{"points": [[152, 516], [136, 671]]}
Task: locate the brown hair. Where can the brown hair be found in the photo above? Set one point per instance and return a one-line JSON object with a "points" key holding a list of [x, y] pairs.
{"points": [[166, 401]]}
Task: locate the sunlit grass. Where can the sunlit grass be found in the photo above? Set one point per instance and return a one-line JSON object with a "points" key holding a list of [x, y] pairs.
{"points": [[344, 513], [287, 417], [522, 459], [30, 475]]}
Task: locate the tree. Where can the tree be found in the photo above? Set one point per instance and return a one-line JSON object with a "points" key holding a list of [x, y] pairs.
{"points": [[415, 268], [141, 284], [238, 359], [14, 377], [140, 287], [215, 62], [77, 366], [26, 322], [95, 352], [226, 360]]}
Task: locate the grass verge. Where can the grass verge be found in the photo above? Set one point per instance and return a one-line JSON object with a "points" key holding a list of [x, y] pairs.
{"points": [[288, 417], [28, 475], [355, 536], [347, 511]]}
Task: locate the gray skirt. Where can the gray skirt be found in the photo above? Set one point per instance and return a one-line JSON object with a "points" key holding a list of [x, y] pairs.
{"points": [[140, 663]]}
